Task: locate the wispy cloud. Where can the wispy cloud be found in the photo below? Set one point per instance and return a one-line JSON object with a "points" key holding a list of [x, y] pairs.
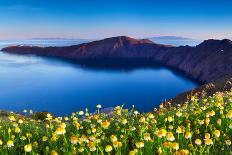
{"points": [[21, 8]]}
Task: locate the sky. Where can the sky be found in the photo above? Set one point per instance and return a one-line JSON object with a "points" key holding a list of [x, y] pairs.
{"points": [[93, 19]]}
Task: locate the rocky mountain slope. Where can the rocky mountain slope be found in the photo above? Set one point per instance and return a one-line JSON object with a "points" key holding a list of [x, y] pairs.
{"points": [[220, 85], [206, 62]]}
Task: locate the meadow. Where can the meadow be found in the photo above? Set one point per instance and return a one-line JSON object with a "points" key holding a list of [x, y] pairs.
{"points": [[199, 126]]}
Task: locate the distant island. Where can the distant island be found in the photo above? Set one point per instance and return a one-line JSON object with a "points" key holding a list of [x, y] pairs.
{"points": [[171, 38], [175, 40]]}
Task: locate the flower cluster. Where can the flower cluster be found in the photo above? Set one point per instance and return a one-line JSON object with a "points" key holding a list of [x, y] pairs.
{"points": [[200, 126]]}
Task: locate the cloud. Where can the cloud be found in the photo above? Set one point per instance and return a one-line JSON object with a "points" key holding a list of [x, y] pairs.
{"points": [[20, 8]]}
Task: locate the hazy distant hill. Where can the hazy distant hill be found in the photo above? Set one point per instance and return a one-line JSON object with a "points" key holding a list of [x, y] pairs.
{"points": [[63, 39], [175, 40], [45, 42]]}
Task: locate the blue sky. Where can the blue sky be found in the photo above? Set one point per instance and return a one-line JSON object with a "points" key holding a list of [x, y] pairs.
{"points": [[91, 19]]}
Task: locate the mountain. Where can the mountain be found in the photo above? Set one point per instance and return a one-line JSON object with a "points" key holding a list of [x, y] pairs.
{"points": [[116, 47], [206, 62], [175, 40]]}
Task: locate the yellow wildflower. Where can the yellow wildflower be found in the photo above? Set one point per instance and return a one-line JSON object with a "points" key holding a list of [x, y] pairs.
{"points": [[170, 118], [49, 117], [207, 136], [53, 152], [229, 114], [179, 130], [167, 144], [159, 151], [81, 149], [117, 144], [175, 146], [124, 121], [228, 142], [10, 143], [147, 137], [170, 136], [184, 152], [201, 122], [161, 133], [219, 122], [63, 125], [208, 142], [198, 142], [12, 118], [230, 126], [207, 120], [54, 137], [92, 146], [188, 135], [94, 130], [139, 145], [66, 118], [77, 124], [28, 148], [60, 131], [108, 148], [17, 130], [105, 124], [217, 133], [142, 119], [178, 114], [20, 121], [133, 152], [170, 127], [150, 115], [113, 138], [44, 138], [74, 140], [118, 111]]}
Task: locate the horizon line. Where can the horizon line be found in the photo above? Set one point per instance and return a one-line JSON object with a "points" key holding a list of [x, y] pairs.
{"points": [[91, 39]]}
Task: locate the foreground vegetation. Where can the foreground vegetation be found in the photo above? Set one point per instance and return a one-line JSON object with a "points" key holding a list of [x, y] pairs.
{"points": [[201, 126]]}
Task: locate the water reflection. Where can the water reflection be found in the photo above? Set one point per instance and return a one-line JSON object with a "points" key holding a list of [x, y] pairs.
{"points": [[48, 84]]}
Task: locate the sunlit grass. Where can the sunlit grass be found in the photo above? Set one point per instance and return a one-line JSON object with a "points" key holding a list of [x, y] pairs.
{"points": [[201, 126]]}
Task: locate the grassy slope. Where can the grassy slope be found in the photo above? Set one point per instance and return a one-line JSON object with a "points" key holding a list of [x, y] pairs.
{"points": [[201, 126], [221, 85]]}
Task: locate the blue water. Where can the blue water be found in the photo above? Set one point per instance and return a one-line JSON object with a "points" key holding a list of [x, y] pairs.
{"points": [[45, 84]]}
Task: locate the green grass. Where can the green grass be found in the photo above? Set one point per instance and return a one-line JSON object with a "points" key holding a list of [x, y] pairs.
{"points": [[201, 126]]}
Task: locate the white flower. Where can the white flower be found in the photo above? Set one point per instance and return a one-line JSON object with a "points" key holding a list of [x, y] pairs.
{"points": [[98, 106], [81, 113]]}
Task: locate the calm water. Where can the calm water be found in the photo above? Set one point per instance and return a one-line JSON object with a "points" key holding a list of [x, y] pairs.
{"points": [[45, 84]]}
